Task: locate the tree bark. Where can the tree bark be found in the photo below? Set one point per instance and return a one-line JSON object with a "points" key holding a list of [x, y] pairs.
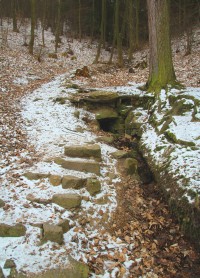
{"points": [[33, 15], [15, 29], [102, 32], [161, 70], [57, 34], [79, 20], [131, 30]]}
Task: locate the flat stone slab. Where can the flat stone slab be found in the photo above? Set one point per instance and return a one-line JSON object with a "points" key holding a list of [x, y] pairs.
{"points": [[30, 197], [102, 96], [74, 270], [83, 151], [120, 154], [12, 231], [73, 182], [106, 113], [67, 201], [52, 232], [35, 176], [81, 166]]}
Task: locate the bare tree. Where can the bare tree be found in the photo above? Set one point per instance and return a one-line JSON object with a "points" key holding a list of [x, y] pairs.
{"points": [[33, 17]]}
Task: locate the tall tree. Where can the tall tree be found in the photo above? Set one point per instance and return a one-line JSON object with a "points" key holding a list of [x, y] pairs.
{"points": [[57, 33], [13, 4], [161, 70], [79, 20], [102, 29], [33, 20]]}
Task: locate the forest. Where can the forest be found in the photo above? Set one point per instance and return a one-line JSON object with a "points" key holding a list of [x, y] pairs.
{"points": [[99, 138]]}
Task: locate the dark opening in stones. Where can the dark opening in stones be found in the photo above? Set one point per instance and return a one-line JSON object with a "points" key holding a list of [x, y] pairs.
{"points": [[107, 124]]}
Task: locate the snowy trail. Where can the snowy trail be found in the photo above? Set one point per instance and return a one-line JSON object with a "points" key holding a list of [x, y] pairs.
{"points": [[51, 126]]}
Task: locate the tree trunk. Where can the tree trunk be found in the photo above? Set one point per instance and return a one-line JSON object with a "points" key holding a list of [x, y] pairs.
{"points": [[101, 31], [13, 3], [119, 36], [44, 21], [161, 70], [137, 24], [33, 15], [131, 30], [57, 34], [79, 21]]}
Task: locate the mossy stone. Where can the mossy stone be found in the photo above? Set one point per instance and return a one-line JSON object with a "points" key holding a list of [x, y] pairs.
{"points": [[35, 176], [93, 186], [67, 201], [77, 165], [131, 166], [106, 113], [119, 154], [53, 233], [83, 151], [1, 273], [2, 203], [102, 96], [64, 224], [9, 264], [73, 182], [12, 231], [55, 180], [74, 270], [106, 139]]}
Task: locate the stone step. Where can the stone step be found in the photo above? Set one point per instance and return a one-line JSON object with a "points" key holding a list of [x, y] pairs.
{"points": [[83, 151], [79, 165], [73, 182], [12, 231], [67, 201]]}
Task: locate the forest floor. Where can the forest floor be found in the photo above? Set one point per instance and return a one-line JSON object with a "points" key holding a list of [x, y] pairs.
{"points": [[142, 239]]}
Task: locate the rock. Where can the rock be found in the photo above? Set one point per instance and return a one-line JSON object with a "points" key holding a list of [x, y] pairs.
{"points": [[77, 165], [9, 264], [73, 182], [2, 203], [15, 274], [67, 201], [83, 151], [80, 270], [106, 113], [1, 273], [53, 233], [74, 270], [131, 166], [102, 97], [55, 180], [119, 154], [106, 139], [32, 198], [35, 176], [93, 186], [64, 224], [12, 231]]}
